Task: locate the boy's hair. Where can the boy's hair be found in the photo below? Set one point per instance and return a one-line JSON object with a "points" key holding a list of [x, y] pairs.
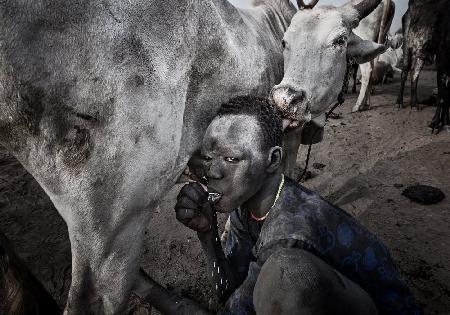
{"points": [[267, 115]]}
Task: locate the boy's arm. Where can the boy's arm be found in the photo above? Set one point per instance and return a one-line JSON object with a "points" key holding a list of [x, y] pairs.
{"points": [[194, 211]]}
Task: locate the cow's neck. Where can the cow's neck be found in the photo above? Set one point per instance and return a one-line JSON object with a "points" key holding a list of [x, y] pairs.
{"points": [[282, 11]]}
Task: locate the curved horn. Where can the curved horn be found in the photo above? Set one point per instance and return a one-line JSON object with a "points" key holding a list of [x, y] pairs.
{"points": [[302, 6], [386, 20], [365, 7]]}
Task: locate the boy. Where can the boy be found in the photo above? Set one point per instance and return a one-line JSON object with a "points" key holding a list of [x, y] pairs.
{"points": [[288, 251]]}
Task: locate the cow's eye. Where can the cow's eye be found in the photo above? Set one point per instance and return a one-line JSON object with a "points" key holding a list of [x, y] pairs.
{"points": [[230, 159], [283, 43], [340, 41], [207, 158]]}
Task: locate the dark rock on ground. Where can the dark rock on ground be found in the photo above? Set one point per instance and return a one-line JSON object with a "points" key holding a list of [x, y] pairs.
{"points": [[424, 194]]}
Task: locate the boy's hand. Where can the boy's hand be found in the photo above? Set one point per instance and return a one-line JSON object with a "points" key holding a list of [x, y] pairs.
{"points": [[193, 210]]}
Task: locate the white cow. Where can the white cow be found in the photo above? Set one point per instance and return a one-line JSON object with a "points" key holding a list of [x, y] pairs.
{"points": [[386, 64], [104, 102], [374, 27]]}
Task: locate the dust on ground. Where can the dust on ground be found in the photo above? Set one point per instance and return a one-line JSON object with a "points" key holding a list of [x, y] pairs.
{"points": [[369, 158]]}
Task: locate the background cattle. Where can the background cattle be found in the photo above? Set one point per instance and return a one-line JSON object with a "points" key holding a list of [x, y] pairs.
{"points": [[425, 32], [388, 62], [374, 27]]}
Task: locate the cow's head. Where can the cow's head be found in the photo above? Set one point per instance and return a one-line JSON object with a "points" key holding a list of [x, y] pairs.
{"points": [[316, 47]]}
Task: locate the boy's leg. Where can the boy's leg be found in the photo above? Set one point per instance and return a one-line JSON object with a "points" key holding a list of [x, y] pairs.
{"points": [[293, 281]]}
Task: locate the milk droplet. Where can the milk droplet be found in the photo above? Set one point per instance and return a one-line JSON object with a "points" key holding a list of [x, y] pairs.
{"points": [[214, 264]]}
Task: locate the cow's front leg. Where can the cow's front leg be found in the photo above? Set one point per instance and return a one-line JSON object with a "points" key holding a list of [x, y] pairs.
{"points": [[403, 77]]}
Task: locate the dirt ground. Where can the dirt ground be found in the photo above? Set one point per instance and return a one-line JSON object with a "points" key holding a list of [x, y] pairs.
{"points": [[369, 158]]}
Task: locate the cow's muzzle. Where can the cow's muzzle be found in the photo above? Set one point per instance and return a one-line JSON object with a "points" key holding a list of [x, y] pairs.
{"points": [[293, 104]]}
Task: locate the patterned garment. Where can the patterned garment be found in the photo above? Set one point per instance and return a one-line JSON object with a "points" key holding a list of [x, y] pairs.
{"points": [[302, 219]]}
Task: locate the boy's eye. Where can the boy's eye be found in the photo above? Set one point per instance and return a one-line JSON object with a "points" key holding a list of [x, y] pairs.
{"points": [[231, 159]]}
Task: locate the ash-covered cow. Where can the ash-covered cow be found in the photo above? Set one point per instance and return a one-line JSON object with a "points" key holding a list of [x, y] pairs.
{"points": [[388, 62], [312, 83], [425, 32], [375, 28], [104, 102]]}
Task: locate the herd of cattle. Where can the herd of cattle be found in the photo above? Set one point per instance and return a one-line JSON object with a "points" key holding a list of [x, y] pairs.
{"points": [[104, 102]]}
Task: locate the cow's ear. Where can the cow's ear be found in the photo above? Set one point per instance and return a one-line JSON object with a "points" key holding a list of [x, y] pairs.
{"points": [[363, 50]]}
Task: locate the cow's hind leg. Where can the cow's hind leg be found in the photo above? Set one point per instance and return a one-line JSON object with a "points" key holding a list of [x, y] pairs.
{"points": [[355, 75], [21, 293], [403, 77], [415, 73], [366, 86], [106, 201], [106, 228], [441, 118]]}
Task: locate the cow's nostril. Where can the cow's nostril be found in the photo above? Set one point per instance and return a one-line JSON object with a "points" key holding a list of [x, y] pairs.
{"points": [[286, 96], [297, 96]]}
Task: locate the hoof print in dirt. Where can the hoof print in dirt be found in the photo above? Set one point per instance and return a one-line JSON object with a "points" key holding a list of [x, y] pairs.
{"points": [[424, 194]]}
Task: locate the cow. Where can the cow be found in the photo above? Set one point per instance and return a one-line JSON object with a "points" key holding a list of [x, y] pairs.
{"points": [[422, 32], [104, 102], [375, 28], [388, 62], [304, 94], [441, 118]]}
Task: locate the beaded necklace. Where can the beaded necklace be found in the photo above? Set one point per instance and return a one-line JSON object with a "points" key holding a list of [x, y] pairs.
{"points": [[280, 187]]}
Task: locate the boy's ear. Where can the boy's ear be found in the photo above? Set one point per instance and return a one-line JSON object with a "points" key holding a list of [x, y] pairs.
{"points": [[274, 159]]}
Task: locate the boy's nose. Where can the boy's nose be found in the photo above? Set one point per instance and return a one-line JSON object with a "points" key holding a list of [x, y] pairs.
{"points": [[213, 171]]}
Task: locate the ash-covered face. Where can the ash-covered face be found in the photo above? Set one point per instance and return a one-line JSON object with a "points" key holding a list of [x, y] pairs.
{"points": [[236, 163]]}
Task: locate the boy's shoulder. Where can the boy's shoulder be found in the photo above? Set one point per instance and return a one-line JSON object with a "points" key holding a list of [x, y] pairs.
{"points": [[303, 217]]}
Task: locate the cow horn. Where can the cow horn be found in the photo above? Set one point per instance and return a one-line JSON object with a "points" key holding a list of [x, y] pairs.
{"points": [[302, 6], [385, 20], [365, 7]]}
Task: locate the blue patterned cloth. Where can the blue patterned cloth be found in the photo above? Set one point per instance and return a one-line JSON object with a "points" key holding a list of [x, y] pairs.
{"points": [[302, 219]]}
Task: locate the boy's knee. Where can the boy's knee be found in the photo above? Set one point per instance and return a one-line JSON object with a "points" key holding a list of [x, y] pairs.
{"points": [[292, 280]]}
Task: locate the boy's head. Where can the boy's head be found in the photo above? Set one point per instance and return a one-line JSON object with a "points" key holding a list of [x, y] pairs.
{"points": [[242, 149]]}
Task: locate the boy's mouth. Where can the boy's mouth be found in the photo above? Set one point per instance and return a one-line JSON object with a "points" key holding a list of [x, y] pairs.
{"points": [[213, 195]]}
